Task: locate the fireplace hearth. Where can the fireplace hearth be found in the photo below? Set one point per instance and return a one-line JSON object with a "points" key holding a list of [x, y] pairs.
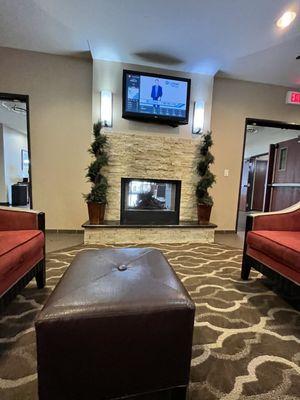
{"points": [[150, 201]]}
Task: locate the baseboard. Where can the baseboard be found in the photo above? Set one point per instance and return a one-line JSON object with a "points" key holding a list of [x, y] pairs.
{"points": [[224, 231], [64, 230], [6, 204]]}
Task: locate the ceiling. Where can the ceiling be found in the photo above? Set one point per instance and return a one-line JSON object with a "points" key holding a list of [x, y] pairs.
{"points": [[234, 38], [13, 114], [258, 140]]}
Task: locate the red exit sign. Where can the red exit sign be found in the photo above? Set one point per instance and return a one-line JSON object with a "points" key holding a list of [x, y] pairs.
{"points": [[293, 97]]}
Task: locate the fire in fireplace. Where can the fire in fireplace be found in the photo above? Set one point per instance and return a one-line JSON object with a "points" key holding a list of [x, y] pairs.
{"points": [[150, 201]]}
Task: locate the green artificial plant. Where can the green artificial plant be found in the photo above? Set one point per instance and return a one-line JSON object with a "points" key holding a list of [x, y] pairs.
{"points": [[207, 178], [98, 193]]}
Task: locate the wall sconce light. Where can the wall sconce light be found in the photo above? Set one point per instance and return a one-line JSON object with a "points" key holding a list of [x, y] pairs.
{"points": [[106, 108], [198, 118]]}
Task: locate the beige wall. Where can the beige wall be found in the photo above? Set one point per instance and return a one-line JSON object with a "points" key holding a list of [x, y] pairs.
{"points": [[60, 91], [60, 98], [233, 101], [108, 76]]}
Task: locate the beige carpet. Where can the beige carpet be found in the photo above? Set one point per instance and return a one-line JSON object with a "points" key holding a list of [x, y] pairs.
{"points": [[246, 337]]}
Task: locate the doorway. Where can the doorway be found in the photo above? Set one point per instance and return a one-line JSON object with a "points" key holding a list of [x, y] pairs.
{"points": [[270, 174], [15, 171]]}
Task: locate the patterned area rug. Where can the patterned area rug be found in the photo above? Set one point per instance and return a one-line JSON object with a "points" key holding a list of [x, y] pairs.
{"points": [[246, 337]]}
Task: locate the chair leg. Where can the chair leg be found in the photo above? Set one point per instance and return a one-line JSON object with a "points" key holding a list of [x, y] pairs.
{"points": [[40, 277], [246, 267]]}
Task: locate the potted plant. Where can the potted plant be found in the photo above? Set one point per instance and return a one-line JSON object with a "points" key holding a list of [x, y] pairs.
{"points": [[207, 179], [97, 198]]}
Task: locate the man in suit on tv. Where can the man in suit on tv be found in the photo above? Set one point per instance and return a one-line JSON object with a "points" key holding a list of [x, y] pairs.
{"points": [[156, 94], [156, 91]]}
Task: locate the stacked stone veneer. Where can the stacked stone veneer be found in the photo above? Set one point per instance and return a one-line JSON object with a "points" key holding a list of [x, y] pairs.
{"points": [[156, 157], [103, 235]]}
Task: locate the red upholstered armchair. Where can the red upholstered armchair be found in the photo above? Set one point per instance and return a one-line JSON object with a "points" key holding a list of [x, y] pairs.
{"points": [[272, 246], [22, 250]]}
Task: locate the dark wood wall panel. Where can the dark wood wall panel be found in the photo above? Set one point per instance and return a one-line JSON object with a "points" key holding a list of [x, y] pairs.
{"points": [[259, 184], [283, 197], [292, 172]]}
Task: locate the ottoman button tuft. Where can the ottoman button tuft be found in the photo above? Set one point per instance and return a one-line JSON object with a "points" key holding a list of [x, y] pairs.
{"points": [[122, 267]]}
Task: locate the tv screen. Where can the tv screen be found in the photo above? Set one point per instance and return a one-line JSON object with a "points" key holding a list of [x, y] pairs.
{"points": [[152, 97]]}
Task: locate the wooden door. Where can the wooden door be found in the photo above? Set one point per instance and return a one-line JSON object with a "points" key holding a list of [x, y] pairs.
{"points": [[260, 173], [269, 178], [257, 173], [251, 173], [244, 186], [286, 175]]}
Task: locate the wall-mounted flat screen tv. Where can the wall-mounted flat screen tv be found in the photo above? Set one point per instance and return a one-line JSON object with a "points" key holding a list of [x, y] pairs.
{"points": [[156, 98]]}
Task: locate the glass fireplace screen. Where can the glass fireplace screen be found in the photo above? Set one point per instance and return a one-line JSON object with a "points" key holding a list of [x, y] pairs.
{"points": [[146, 195]]}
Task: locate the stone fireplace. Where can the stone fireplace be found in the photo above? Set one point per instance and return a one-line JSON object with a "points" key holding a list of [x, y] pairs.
{"points": [[151, 157], [150, 201], [151, 195]]}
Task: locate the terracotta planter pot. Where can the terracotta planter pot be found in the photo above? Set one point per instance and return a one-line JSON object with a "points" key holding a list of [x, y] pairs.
{"points": [[96, 213], [203, 213]]}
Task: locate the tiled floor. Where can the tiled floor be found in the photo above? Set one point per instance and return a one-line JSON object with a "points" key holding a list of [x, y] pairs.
{"points": [[242, 217], [231, 239], [57, 241]]}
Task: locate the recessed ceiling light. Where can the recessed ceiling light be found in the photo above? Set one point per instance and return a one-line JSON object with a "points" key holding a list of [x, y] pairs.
{"points": [[286, 19]]}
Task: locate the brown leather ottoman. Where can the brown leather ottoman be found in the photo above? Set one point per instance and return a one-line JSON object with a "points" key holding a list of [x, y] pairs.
{"points": [[118, 324]]}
